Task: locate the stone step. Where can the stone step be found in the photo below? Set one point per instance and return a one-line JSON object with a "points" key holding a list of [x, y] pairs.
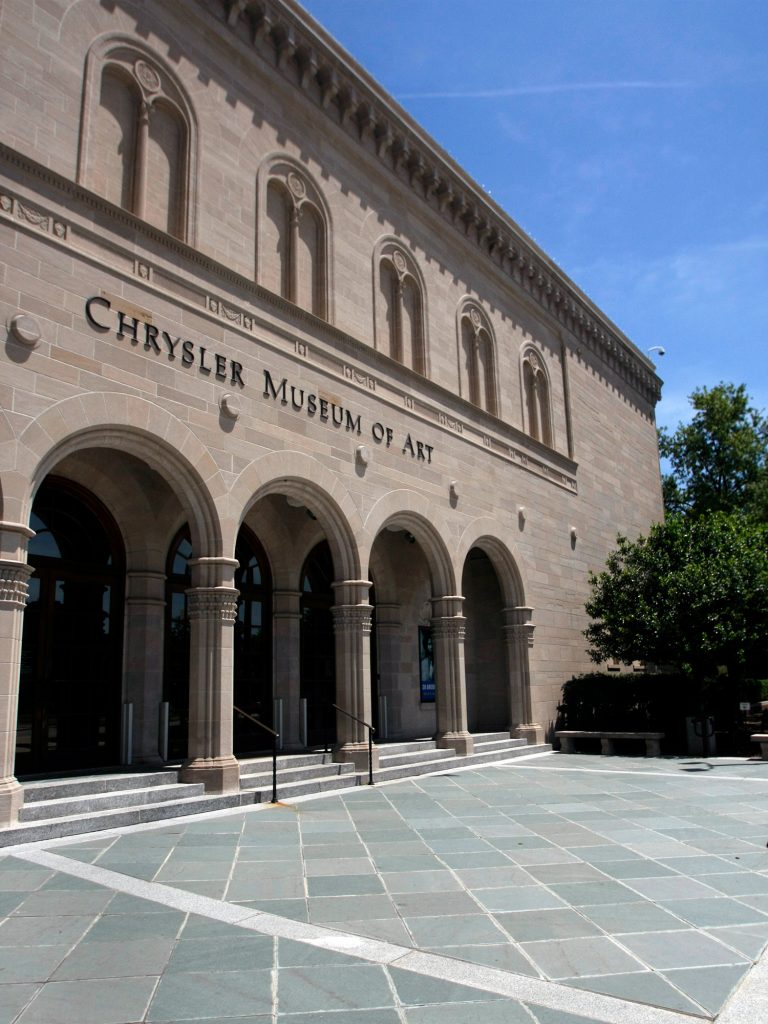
{"points": [[288, 776], [54, 828], [485, 746], [388, 774], [63, 788], [306, 787], [490, 737], [414, 756], [257, 764], [89, 803], [405, 746], [489, 757]]}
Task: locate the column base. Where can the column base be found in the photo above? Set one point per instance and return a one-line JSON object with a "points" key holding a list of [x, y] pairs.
{"points": [[531, 732], [218, 775], [461, 742], [11, 799], [357, 754]]}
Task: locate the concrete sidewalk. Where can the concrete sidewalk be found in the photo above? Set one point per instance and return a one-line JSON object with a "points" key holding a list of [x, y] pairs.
{"points": [[550, 890]]}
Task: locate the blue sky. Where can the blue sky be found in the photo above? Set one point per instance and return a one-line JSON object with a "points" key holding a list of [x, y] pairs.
{"points": [[627, 138]]}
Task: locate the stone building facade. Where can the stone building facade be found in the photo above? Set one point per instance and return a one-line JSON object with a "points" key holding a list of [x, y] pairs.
{"points": [[291, 413]]}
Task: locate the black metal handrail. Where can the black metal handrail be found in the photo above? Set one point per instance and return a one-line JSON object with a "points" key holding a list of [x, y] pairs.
{"points": [[371, 731], [275, 738]]}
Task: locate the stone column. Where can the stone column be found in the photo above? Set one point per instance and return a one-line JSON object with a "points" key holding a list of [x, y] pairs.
{"points": [[14, 574], [518, 635], [143, 659], [448, 629], [352, 630], [286, 659], [212, 612]]}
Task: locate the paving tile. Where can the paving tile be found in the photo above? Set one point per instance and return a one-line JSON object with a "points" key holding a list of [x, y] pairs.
{"points": [[583, 894], [378, 1016], [302, 954], [710, 987], [344, 987], [749, 939], [119, 959], [574, 958], [345, 885], [291, 887], [578, 872], [44, 931], [672, 887], [709, 913], [632, 917], [418, 988], [527, 926], [390, 929], [323, 909], [644, 868], [453, 931], [439, 880], [13, 999], [643, 987], [30, 963], [664, 950], [209, 994], [517, 897], [504, 956], [429, 904], [110, 1001], [127, 927], [233, 952], [492, 877], [294, 910], [343, 866], [746, 883], [63, 904], [504, 1011]]}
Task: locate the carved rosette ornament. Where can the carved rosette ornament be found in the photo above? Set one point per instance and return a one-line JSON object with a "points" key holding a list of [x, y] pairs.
{"points": [[400, 262], [147, 77], [213, 603], [477, 320], [14, 586], [296, 185]]}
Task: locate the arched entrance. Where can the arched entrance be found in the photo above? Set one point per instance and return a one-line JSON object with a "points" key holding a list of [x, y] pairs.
{"points": [[253, 645], [318, 653], [485, 656], [71, 669]]}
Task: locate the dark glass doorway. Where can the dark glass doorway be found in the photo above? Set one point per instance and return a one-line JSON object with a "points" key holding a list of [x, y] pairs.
{"points": [[318, 648], [70, 685], [253, 646]]}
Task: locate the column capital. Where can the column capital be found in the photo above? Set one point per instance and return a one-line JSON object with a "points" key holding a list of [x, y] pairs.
{"points": [[213, 603], [14, 538], [13, 583], [453, 628], [351, 618]]}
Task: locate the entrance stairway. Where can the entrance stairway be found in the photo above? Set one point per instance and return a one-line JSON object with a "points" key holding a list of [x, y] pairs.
{"points": [[77, 805]]}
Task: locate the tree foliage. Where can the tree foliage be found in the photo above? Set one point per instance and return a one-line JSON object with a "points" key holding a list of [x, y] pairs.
{"points": [[719, 460], [692, 595]]}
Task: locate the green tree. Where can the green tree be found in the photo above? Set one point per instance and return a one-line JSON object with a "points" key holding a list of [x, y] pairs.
{"points": [[692, 595], [719, 460]]}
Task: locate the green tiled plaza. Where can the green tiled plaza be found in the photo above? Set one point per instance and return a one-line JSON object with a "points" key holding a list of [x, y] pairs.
{"points": [[553, 890]]}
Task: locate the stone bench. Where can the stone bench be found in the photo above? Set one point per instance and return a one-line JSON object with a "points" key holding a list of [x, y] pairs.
{"points": [[607, 738], [762, 739]]}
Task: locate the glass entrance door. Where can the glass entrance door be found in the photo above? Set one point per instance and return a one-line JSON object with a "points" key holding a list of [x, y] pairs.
{"points": [[70, 687]]}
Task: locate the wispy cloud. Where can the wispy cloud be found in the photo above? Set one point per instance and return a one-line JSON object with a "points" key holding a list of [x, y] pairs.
{"points": [[547, 90]]}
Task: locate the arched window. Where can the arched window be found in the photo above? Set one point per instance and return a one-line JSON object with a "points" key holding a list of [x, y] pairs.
{"points": [[293, 244], [136, 146], [400, 308], [536, 398], [477, 361]]}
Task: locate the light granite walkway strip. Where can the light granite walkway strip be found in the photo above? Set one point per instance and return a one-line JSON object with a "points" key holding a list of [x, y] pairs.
{"points": [[593, 1006]]}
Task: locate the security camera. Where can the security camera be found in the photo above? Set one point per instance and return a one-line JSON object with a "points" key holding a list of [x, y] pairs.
{"points": [[658, 349]]}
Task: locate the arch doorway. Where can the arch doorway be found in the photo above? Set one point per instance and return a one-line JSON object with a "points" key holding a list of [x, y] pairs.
{"points": [[318, 649], [252, 680], [71, 663]]}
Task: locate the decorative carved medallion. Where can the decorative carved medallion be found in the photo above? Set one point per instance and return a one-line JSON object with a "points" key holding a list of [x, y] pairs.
{"points": [[400, 262], [147, 76], [296, 185]]}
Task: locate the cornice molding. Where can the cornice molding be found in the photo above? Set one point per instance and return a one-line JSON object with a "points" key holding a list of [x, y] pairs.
{"points": [[285, 36]]}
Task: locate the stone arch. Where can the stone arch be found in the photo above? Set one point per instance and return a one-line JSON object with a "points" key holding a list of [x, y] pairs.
{"points": [[141, 429], [301, 268], [155, 95], [414, 513], [536, 395], [400, 305], [484, 534], [477, 360], [304, 480]]}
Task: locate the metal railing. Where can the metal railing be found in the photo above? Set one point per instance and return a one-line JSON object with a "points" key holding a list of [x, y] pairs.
{"points": [[371, 731], [275, 737]]}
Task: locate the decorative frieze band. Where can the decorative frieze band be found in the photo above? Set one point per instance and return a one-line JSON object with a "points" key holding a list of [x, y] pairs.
{"points": [[449, 629], [352, 618], [213, 603], [32, 215]]}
